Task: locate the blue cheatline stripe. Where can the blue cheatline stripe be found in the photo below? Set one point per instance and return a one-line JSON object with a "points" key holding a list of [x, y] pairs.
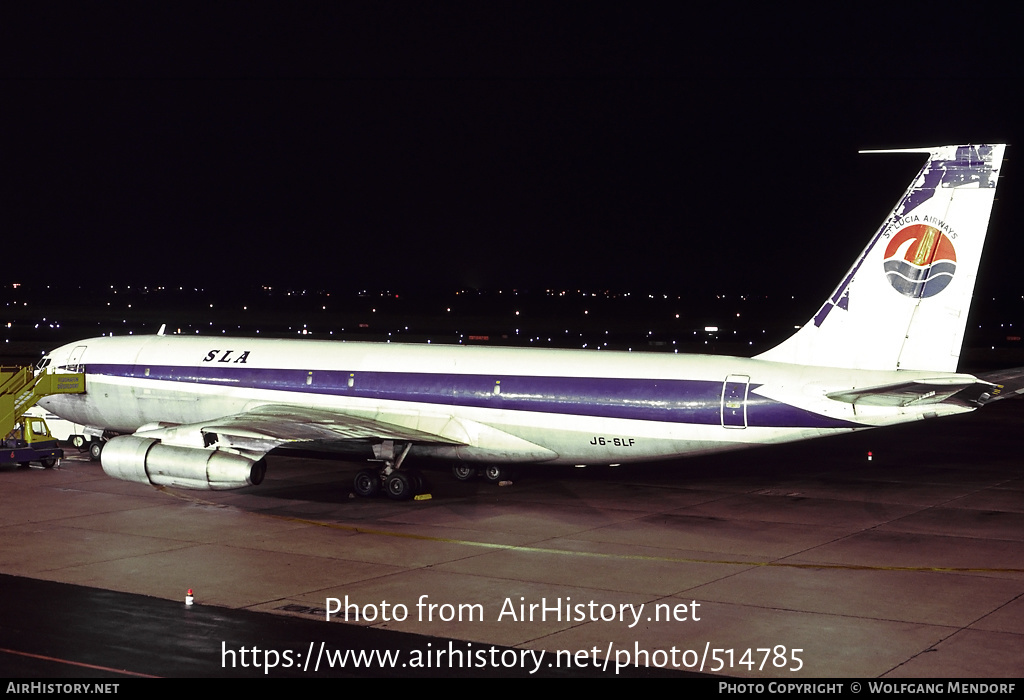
{"points": [[667, 400]]}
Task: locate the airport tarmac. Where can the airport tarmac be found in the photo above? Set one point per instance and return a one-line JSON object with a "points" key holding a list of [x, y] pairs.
{"points": [[820, 562]]}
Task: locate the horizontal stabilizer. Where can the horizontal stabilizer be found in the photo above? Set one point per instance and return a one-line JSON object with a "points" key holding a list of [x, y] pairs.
{"points": [[1008, 383], [965, 388]]}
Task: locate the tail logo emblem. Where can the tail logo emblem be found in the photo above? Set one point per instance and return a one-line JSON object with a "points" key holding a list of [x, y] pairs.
{"points": [[919, 261]]}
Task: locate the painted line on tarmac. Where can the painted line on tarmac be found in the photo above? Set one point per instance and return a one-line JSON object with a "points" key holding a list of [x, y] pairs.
{"points": [[75, 663], [362, 530]]}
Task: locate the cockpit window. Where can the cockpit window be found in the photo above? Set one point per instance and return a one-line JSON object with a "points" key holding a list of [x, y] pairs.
{"points": [[43, 363]]}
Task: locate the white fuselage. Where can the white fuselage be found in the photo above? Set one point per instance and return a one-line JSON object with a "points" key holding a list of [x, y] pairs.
{"points": [[489, 404]]}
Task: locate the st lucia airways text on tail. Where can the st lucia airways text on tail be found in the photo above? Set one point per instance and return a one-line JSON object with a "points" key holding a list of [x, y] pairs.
{"points": [[201, 412]]}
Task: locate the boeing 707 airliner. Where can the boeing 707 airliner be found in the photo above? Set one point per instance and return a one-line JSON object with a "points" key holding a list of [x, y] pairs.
{"points": [[883, 349]]}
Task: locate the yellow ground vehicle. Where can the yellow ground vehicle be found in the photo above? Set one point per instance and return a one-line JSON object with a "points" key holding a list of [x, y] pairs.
{"points": [[25, 439], [31, 441]]}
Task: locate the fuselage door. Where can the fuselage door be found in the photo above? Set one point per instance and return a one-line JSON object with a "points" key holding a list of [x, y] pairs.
{"points": [[734, 401], [74, 362]]}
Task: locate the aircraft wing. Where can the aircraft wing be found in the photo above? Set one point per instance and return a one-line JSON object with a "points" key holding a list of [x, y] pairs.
{"points": [[261, 429], [960, 388], [295, 423], [265, 427]]}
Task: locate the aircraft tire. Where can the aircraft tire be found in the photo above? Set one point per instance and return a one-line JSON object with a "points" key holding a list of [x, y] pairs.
{"points": [[416, 478], [496, 472], [463, 472], [399, 487], [366, 483], [95, 450]]}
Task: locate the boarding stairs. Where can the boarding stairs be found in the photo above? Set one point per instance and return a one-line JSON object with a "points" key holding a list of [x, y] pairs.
{"points": [[21, 388]]}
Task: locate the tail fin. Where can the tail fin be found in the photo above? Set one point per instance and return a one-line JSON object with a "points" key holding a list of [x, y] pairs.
{"points": [[904, 303]]}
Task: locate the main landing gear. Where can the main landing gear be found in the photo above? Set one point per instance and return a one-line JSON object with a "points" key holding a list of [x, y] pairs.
{"points": [[397, 483], [492, 473], [401, 484]]}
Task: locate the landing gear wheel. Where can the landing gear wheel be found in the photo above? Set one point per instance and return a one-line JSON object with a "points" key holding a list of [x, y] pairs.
{"points": [[95, 449], [49, 462], [495, 473], [463, 472], [399, 487], [416, 479], [78, 441], [366, 483]]}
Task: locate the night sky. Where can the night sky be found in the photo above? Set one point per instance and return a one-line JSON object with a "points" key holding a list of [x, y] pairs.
{"points": [[414, 146]]}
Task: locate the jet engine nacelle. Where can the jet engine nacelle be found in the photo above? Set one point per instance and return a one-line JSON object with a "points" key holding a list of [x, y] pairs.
{"points": [[149, 461]]}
